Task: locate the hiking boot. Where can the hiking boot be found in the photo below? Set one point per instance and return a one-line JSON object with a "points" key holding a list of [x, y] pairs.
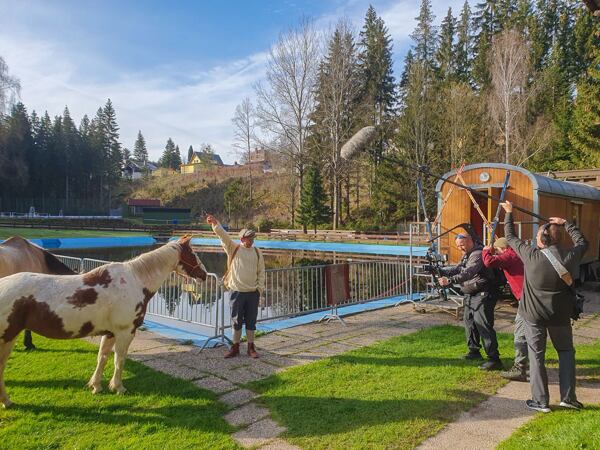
{"points": [[515, 373], [492, 364], [233, 351], [571, 404], [473, 356], [536, 406], [252, 350]]}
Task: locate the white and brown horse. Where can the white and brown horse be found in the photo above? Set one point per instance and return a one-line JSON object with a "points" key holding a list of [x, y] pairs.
{"points": [[110, 301], [20, 255]]}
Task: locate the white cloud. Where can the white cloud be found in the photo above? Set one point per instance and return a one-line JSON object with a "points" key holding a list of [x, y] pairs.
{"points": [[197, 109]]}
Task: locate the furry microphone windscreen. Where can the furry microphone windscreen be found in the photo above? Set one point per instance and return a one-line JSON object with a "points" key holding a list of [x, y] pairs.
{"points": [[358, 142]]}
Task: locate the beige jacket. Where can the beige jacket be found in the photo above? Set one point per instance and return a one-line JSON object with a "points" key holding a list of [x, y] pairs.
{"points": [[246, 273]]}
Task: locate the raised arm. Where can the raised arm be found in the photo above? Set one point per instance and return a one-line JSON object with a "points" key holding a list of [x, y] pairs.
{"points": [[524, 251], [580, 243], [226, 242]]}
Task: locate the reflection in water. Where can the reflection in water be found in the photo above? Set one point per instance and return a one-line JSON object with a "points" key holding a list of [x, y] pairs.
{"points": [[215, 261]]}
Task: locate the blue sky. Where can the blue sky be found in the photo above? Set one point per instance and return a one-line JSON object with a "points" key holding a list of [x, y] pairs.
{"points": [[172, 69]]}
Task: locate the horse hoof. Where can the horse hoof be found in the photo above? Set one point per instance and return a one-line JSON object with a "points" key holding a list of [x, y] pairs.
{"points": [[28, 349], [96, 390], [7, 403]]}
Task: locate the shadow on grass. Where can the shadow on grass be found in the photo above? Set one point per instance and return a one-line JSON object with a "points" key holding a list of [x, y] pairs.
{"points": [[319, 416], [406, 361]]}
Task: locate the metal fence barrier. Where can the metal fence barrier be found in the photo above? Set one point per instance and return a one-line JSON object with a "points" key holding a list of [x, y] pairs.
{"points": [[289, 291], [301, 290], [71, 262]]}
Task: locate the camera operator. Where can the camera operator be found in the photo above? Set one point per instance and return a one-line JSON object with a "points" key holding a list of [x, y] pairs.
{"points": [[478, 284], [547, 305]]}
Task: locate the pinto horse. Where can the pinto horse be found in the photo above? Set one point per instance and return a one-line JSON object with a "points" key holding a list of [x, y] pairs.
{"points": [[110, 301], [20, 255]]}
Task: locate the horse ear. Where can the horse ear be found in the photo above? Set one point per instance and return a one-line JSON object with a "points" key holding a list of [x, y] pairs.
{"points": [[185, 240]]}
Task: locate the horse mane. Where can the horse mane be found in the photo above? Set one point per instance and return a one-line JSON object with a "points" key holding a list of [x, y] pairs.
{"points": [[148, 264], [56, 266]]}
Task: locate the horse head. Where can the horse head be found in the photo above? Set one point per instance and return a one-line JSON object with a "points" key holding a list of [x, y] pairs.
{"points": [[188, 261]]}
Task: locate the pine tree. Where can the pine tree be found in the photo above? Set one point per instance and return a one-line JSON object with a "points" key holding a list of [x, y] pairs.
{"points": [[463, 50], [425, 37], [375, 61], [485, 25], [313, 209], [170, 157], [140, 152], [17, 151], [190, 154], [585, 135], [445, 55], [114, 154], [72, 157]]}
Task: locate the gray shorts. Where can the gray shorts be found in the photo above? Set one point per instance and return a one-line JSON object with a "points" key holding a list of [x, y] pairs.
{"points": [[244, 309]]}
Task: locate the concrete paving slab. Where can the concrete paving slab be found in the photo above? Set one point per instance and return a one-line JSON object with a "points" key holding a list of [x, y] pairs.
{"points": [[215, 384], [279, 444], [246, 414], [259, 433], [238, 397]]}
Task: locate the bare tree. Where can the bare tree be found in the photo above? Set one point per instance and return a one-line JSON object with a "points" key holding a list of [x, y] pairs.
{"points": [[286, 100], [509, 95], [337, 97], [10, 87], [243, 128]]}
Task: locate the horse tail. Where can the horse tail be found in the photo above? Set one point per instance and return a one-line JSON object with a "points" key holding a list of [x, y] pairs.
{"points": [[56, 266]]}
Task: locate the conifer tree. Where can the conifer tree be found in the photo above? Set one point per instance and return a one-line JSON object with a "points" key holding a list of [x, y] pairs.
{"points": [[445, 55], [585, 135], [313, 210], [463, 49], [114, 154], [425, 37], [140, 152], [190, 154]]}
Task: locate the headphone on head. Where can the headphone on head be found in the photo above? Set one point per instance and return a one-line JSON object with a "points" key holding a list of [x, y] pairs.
{"points": [[545, 237]]}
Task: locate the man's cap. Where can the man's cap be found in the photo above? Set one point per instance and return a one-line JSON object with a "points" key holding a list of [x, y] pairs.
{"points": [[247, 233], [501, 243]]}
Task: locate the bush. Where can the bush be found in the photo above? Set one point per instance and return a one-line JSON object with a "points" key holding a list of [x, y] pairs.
{"points": [[264, 225]]}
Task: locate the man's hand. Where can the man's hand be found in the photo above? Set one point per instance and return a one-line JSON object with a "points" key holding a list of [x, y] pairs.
{"points": [[262, 301], [557, 220], [211, 220], [444, 281], [507, 206]]}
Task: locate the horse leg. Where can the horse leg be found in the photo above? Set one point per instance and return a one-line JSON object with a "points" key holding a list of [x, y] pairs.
{"points": [[5, 349], [121, 346], [106, 345], [28, 341]]}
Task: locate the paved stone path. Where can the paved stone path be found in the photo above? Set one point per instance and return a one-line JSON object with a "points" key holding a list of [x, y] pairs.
{"points": [[304, 344]]}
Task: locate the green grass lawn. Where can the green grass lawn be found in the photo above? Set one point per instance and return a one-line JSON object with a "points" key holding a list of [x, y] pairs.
{"points": [[564, 429], [54, 409], [393, 394], [33, 233]]}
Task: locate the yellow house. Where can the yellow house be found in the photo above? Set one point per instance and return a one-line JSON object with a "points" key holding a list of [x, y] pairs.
{"points": [[201, 160]]}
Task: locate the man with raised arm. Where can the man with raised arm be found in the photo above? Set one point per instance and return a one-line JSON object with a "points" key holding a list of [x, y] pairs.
{"points": [[547, 305], [245, 278], [501, 256]]}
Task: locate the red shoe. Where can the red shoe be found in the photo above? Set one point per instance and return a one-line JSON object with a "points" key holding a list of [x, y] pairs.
{"points": [[252, 350], [233, 351]]}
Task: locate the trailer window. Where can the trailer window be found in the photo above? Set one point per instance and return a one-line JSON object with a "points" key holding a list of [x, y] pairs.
{"points": [[576, 213]]}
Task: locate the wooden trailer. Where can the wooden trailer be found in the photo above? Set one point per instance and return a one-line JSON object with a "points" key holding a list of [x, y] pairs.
{"points": [[578, 203]]}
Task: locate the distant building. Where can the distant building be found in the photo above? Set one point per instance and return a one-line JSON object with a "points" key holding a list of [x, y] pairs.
{"points": [[260, 157], [201, 160], [137, 205], [134, 170], [585, 176]]}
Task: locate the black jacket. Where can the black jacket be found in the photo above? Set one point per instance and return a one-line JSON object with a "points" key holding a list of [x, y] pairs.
{"points": [[547, 299], [470, 273]]}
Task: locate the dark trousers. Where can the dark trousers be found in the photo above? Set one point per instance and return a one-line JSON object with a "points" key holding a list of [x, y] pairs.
{"points": [[562, 339], [244, 309], [479, 324]]}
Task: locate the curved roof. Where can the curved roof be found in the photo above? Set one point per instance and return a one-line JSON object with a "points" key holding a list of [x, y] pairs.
{"points": [[539, 182]]}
